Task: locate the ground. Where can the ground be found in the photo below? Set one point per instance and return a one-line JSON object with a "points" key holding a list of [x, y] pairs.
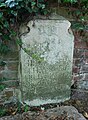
{"points": [[74, 109]]}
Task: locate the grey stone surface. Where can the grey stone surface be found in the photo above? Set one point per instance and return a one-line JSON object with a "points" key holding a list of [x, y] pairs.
{"points": [[83, 84], [69, 111], [46, 66]]}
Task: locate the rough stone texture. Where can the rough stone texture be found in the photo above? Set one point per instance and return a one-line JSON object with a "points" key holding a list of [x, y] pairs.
{"points": [[46, 69], [70, 111], [58, 113]]}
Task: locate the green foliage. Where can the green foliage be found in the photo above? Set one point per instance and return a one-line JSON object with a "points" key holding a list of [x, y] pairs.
{"points": [[37, 57], [12, 13], [79, 10], [78, 26], [2, 87], [77, 1], [26, 108], [2, 112], [78, 7], [70, 1]]}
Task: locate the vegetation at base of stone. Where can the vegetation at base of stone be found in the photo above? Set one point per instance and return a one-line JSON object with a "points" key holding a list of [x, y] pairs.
{"points": [[2, 112], [13, 108], [20, 109], [26, 108], [2, 87]]}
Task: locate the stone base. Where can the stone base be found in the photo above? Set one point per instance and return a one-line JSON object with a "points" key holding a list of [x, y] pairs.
{"points": [[38, 102]]}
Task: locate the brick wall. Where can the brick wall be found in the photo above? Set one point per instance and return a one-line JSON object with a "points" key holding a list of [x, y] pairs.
{"points": [[9, 73], [80, 62]]}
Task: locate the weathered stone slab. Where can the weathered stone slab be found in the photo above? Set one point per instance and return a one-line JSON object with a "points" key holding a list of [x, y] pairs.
{"points": [[46, 67]]}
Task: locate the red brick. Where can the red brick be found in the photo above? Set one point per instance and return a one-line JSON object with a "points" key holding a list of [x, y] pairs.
{"points": [[86, 77], [86, 61], [75, 78], [76, 39], [80, 44], [12, 66], [73, 61], [10, 75], [85, 68], [14, 55], [1, 68], [13, 84], [1, 76], [86, 54], [76, 69], [78, 77], [78, 53], [77, 62]]}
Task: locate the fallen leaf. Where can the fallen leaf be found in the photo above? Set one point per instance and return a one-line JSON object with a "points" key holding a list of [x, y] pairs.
{"points": [[13, 113], [85, 114]]}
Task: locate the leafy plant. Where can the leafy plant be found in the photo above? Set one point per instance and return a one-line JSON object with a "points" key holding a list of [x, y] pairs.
{"points": [[12, 14], [2, 87], [71, 1], [2, 112], [26, 108], [79, 10]]}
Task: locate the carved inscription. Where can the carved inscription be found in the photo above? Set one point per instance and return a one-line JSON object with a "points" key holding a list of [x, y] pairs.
{"points": [[49, 30]]}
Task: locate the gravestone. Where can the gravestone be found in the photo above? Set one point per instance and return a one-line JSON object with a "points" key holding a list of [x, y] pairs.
{"points": [[46, 61]]}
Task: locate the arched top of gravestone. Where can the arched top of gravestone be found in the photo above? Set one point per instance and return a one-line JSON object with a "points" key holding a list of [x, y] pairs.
{"points": [[25, 28], [53, 16]]}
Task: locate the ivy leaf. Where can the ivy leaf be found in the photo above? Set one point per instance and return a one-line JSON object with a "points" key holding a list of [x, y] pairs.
{"points": [[1, 15], [6, 37], [45, 12], [2, 5], [29, 10], [33, 3], [6, 24], [14, 12], [13, 33], [78, 12], [19, 42], [40, 0], [4, 49], [71, 1], [11, 3], [41, 6]]}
